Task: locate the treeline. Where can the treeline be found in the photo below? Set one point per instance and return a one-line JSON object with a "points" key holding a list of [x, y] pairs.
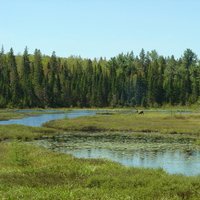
{"points": [[125, 80]]}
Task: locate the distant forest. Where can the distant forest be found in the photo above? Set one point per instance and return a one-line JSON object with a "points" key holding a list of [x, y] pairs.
{"points": [[125, 80]]}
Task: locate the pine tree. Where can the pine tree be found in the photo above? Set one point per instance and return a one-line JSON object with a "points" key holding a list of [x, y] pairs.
{"points": [[124, 80], [189, 59], [4, 80], [38, 78], [15, 89], [26, 81], [169, 81]]}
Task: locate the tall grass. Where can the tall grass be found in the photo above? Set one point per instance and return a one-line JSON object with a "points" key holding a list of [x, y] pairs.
{"points": [[28, 172], [26, 133], [169, 123]]}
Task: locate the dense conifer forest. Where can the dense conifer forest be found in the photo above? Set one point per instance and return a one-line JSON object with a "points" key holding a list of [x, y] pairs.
{"points": [[125, 80]]}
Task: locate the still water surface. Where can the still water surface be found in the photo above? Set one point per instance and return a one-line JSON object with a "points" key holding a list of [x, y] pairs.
{"points": [[171, 161], [172, 156], [38, 120]]}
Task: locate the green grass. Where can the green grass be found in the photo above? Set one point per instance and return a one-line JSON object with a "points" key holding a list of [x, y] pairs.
{"points": [[29, 172], [20, 132], [149, 122], [6, 114]]}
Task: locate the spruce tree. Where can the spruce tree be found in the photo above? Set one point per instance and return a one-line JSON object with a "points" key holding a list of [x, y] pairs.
{"points": [[26, 81], [15, 89], [38, 78]]}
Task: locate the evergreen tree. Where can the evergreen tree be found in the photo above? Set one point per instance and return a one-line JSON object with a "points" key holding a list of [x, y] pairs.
{"points": [[189, 59], [169, 81], [38, 78], [124, 80], [15, 89], [26, 81]]}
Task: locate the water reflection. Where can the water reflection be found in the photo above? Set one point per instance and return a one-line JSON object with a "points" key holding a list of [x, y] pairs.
{"points": [[174, 158], [172, 162], [38, 120]]}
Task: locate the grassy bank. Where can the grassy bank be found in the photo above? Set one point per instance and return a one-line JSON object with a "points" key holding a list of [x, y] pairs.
{"points": [[166, 123], [25, 133], [28, 172], [6, 114], [21, 132]]}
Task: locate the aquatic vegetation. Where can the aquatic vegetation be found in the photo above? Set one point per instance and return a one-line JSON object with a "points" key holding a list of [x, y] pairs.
{"points": [[172, 153], [29, 172]]}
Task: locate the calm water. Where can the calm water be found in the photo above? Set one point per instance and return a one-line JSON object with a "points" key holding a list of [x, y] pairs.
{"points": [[174, 157], [38, 120], [171, 161]]}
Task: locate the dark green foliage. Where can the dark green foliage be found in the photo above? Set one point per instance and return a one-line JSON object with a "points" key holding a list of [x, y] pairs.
{"points": [[26, 81], [13, 80], [38, 79], [124, 80]]}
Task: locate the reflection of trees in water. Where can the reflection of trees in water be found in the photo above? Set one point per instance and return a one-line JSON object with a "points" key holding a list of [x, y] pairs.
{"points": [[173, 157], [188, 153]]}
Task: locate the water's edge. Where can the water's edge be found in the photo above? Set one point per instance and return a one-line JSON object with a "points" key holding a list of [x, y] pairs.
{"points": [[172, 155]]}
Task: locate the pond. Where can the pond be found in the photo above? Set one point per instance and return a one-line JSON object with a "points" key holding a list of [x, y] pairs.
{"points": [[49, 115], [173, 156]]}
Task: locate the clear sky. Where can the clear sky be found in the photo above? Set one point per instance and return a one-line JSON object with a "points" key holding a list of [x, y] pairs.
{"points": [[95, 28]]}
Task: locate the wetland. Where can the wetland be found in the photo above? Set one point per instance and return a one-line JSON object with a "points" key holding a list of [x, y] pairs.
{"points": [[175, 155], [156, 156]]}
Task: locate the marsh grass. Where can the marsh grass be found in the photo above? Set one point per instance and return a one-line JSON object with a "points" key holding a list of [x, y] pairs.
{"points": [[20, 132], [7, 114], [29, 172], [166, 123]]}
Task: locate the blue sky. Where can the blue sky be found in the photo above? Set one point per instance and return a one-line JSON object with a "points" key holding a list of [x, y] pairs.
{"points": [[95, 28]]}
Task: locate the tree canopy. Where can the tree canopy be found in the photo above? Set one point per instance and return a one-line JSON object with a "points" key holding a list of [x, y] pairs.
{"points": [[148, 79]]}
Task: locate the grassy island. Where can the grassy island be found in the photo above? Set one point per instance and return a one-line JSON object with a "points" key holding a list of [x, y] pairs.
{"points": [[166, 123]]}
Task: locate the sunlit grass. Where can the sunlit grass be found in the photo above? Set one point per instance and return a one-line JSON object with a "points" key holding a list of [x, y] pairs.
{"points": [[21, 132], [6, 114], [169, 123], [28, 172]]}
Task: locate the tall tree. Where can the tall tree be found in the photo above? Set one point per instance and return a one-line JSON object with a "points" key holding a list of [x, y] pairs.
{"points": [[38, 78], [189, 59], [15, 89], [26, 81]]}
